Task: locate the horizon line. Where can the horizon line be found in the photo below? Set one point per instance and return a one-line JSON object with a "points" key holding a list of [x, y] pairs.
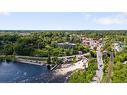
{"points": [[66, 30]]}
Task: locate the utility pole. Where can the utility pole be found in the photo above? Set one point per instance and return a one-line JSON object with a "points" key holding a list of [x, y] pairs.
{"points": [[110, 67]]}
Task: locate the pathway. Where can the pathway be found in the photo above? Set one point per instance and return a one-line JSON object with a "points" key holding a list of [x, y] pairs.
{"points": [[99, 73]]}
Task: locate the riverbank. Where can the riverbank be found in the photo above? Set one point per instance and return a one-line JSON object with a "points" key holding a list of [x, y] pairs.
{"points": [[57, 73], [62, 72], [67, 69], [7, 58], [36, 62], [25, 61]]}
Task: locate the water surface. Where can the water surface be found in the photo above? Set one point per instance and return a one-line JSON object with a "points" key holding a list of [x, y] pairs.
{"points": [[19, 72]]}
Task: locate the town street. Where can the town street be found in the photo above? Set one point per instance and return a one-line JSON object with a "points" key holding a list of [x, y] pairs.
{"points": [[99, 73]]}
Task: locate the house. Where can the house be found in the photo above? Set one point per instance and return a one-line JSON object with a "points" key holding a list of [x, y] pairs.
{"points": [[105, 53], [91, 42], [117, 46], [86, 41], [66, 45]]}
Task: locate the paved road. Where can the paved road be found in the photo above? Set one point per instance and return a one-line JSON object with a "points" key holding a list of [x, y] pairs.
{"points": [[99, 73]]}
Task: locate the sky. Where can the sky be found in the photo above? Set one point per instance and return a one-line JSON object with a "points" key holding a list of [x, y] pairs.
{"points": [[63, 21]]}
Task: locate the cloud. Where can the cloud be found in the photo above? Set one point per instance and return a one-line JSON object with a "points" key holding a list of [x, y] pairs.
{"points": [[117, 19], [5, 13], [109, 21], [124, 13], [87, 16]]}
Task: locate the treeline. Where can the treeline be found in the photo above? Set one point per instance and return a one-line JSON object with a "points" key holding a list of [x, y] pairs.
{"points": [[40, 43], [119, 70], [120, 67]]}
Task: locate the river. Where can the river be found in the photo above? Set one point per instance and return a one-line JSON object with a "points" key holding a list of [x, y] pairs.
{"points": [[14, 72]]}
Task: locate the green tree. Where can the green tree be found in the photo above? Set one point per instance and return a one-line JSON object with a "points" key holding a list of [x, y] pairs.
{"points": [[8, 49]]}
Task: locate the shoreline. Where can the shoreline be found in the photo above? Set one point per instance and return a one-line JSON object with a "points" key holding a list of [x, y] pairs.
{"points": [[62, 70], [30, 63], [33, 62], [39, 63], [67, 69]]}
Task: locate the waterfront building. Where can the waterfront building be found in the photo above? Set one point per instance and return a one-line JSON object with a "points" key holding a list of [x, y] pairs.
{"points": [[66, 45]]}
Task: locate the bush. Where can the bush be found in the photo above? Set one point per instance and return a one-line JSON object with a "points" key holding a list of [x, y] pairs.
{"points": [[84, 76], [8, 58], [93, 54]]}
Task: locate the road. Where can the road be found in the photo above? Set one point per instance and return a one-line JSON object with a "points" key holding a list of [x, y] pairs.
{"points": [[78, 55], [99, 72], [30, 61]]}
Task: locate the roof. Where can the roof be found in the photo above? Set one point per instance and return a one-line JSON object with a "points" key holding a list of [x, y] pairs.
{"points": [[66, 43]]}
